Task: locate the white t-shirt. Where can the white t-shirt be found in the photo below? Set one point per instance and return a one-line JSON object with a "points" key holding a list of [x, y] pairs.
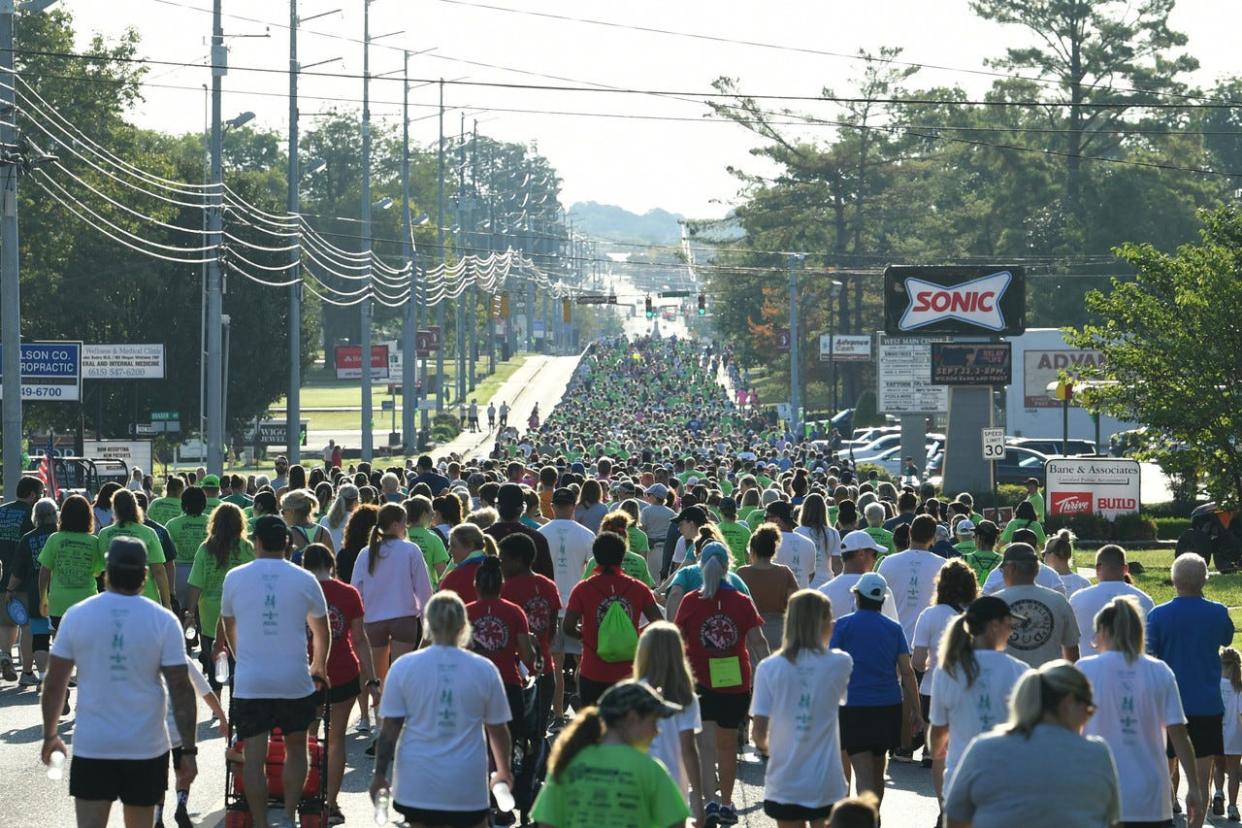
{"points": [[827, 546], [1135, 702], [270, 599], [911, 575], [120, 644], [400, 586], [1232, 700], [801, 702], [1073, 582], [338, 534], [969, 711], [841, 596], [1046, 577], [202, 689], [569, 543], [1086, 603], [797, 553], [446, 695], [667, 744], [928, 630]]}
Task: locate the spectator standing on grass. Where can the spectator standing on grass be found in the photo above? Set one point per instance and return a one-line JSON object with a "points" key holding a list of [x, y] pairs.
{"points": [[1187, 633]]}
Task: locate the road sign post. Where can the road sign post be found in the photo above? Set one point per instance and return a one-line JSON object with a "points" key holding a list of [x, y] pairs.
{"points": [[993, 451]]}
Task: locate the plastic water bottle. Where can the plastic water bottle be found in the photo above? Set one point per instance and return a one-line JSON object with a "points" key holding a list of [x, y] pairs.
{"points": [[190, 632], [382, 800], [222, 668], [504, 797], [56, 766]]}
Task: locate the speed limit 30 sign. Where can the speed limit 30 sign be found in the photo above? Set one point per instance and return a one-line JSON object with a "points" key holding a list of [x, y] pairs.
{"points": [[993, 443]]}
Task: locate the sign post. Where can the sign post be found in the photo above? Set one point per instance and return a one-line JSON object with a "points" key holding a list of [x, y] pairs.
{"points": [[993, 451]]}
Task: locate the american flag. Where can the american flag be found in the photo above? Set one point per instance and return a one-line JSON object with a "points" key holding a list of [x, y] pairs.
{"points": [[47, 473]]}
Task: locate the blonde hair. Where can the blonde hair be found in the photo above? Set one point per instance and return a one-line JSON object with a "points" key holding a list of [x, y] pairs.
{"points": [[1231, 666], [302, 502], [1061, 544], [471, 536], [483, 517], [661, 662], [1123, 620], [1041, 691], [446, 620], [807, 617]]}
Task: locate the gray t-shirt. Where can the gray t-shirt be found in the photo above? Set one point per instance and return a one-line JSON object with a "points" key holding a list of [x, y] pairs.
{"points": [[1049, 625], [1078, 769]]}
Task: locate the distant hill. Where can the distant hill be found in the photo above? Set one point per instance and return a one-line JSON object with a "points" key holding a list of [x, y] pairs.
{"points": [[607, 221]]}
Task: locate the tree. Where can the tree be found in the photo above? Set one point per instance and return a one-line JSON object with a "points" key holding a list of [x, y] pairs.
{"points": [[1171, 340]]}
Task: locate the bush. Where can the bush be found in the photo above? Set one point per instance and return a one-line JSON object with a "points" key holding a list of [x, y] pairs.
{"points": [[1132, 527], [1171, 528], [864, 471], [444, 427]]}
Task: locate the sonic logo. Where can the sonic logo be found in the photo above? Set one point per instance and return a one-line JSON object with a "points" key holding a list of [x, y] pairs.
{"points": [[977, 302]]}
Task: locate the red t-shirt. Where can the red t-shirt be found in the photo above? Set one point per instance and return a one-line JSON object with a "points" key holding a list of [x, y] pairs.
{"points": [[497, 624], [591, 599], [541, 601], [461, 578], [716, 629], [344, 605]]}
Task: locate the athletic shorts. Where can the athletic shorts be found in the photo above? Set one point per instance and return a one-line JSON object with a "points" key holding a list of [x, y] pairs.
{"points": [[137, 782], [562, 643], [254, 716], [727, 710], [590, 690], [784, 812], [408, 629], [874, 730], [1206, 734], [345, 692], [181, 588], [455, 819]]}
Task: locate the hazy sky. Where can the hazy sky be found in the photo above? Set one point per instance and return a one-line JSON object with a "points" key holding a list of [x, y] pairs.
{"points": [[639, 164]]}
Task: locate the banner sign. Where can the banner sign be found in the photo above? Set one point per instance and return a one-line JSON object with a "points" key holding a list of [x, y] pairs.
{"points": [[1105, 486], [51, 371], [272, 433], [123, 361], [428, 340], [904, 374], [349, 362], [133, 452], [844, 348], [962, 363], [1042, 368], [965, 301]]}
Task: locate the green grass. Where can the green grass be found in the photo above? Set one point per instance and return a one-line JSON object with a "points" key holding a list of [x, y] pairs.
{"points": [[1155, 581]]}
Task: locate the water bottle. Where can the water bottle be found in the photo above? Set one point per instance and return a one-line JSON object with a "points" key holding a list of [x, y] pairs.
{"points": [[504, 797], [382, 800], [190, 632], [222, 668], [56, 766]]}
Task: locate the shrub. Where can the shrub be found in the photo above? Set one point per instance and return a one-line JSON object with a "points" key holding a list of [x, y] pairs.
{"points": [[865, 469], [1132, 527], [1171, 528]]}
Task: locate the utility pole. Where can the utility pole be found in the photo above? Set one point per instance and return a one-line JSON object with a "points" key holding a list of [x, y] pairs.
{"points": [[409, 345], [215, 227], [473, 344], [11, 309], [795, 388], [460, 250], [441, 386], [364, 320], [491, 248], [293, 412]]}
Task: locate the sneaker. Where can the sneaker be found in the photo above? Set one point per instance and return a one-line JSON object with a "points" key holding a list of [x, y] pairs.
{"points": [[7, 671], [711, 812], [1233, 814], [728, 816], [182, 818], [927, 761], [1218, 803], [335, 817], [1177, 806], [370, 751], [363, 726], [903, 755], [28, 680]]}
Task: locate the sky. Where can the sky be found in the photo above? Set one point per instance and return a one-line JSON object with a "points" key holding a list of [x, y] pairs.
{"points": [[635, 162]]}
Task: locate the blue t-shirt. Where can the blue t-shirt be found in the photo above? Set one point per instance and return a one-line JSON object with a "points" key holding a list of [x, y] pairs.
{"points": [[690, 578], [1187, 634], [874, 641]]}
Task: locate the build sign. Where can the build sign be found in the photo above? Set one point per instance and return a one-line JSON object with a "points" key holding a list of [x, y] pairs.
{"points": [[1104, 486], [963, 301]]}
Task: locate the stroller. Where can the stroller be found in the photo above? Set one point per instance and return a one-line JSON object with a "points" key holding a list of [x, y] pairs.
{"points": [[1215, 534]]}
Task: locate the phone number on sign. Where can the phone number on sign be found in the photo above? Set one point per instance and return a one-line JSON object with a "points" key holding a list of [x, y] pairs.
{"points": [[34, 392]]}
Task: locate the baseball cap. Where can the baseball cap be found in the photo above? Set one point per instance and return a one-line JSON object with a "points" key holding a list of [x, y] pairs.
{"points": [[271, 531], [211, 482], [1019, 553], [871, 585], [564, 496], [658, 490], [858, 540], [127, 553], [629, 695], [694, 513], [988, 608], [349, 492], [965, 527], [714, 549]]}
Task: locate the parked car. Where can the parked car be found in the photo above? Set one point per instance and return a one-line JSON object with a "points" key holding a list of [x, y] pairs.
{"points": [[1053, 445], [1020, 464]]}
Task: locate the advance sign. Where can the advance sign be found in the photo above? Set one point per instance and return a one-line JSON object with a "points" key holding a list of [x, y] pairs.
{"points": [[955, 300]]}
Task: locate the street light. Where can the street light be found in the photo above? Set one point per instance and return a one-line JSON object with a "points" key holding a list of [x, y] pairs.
{"points": [[315, 165], [383, 204], [241, 120]]}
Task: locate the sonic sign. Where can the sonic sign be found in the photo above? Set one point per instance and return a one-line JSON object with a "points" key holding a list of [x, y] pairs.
{"points": [[961, 301]]}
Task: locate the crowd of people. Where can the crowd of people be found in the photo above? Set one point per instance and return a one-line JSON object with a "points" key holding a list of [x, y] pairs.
{"points": [[598, 617]]}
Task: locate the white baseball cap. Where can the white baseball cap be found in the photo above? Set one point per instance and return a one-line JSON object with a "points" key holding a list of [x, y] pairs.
{"points": [[858, 540], [871, 585]]}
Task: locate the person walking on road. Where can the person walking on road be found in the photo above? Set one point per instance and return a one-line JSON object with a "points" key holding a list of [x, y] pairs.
{"points": [[15, 521], [1110, 575], [121, 646], [474, 415], [127, 521], [570, 544], [266, 607], [504, 414], [1049, 631], [224, 549], [23, 584], [491, 416]]}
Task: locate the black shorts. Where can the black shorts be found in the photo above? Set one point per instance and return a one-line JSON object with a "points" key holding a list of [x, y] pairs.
{"points": [[40, 642], [727, 710], [426, 816], [794, 813], [874, 730], [251, 717], [137, 782], [589, 690], [1207, 734], [346, 692]]}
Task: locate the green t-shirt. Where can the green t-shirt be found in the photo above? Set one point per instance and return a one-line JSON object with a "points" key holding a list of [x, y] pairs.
{"points": [[1037, 501], [432, 548], [982, 561], [75, 559], [164, 509], [881, 536], [965, 547], [611, 786], [208, 577], [752, 517], [238, 499], [638, 541], [736, 536], [212, 503], [632, 564], [1014, 525], [188, 533], [155, 550]]}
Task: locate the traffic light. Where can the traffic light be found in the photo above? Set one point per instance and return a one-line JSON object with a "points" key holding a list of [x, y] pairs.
{"points": [[567, 315], [650, 309], [504, 306], [702, 304], [495, 306]]}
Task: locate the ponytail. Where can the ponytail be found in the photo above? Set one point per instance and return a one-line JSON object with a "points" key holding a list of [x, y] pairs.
{"points": [[1123, 620], [1041, 691], [488, 578], [713, 571], [586, 729], [389, 514], [957, 651], [490, 549]]}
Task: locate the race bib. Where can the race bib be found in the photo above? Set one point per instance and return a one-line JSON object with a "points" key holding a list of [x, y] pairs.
{"points": [[725, 672]]}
